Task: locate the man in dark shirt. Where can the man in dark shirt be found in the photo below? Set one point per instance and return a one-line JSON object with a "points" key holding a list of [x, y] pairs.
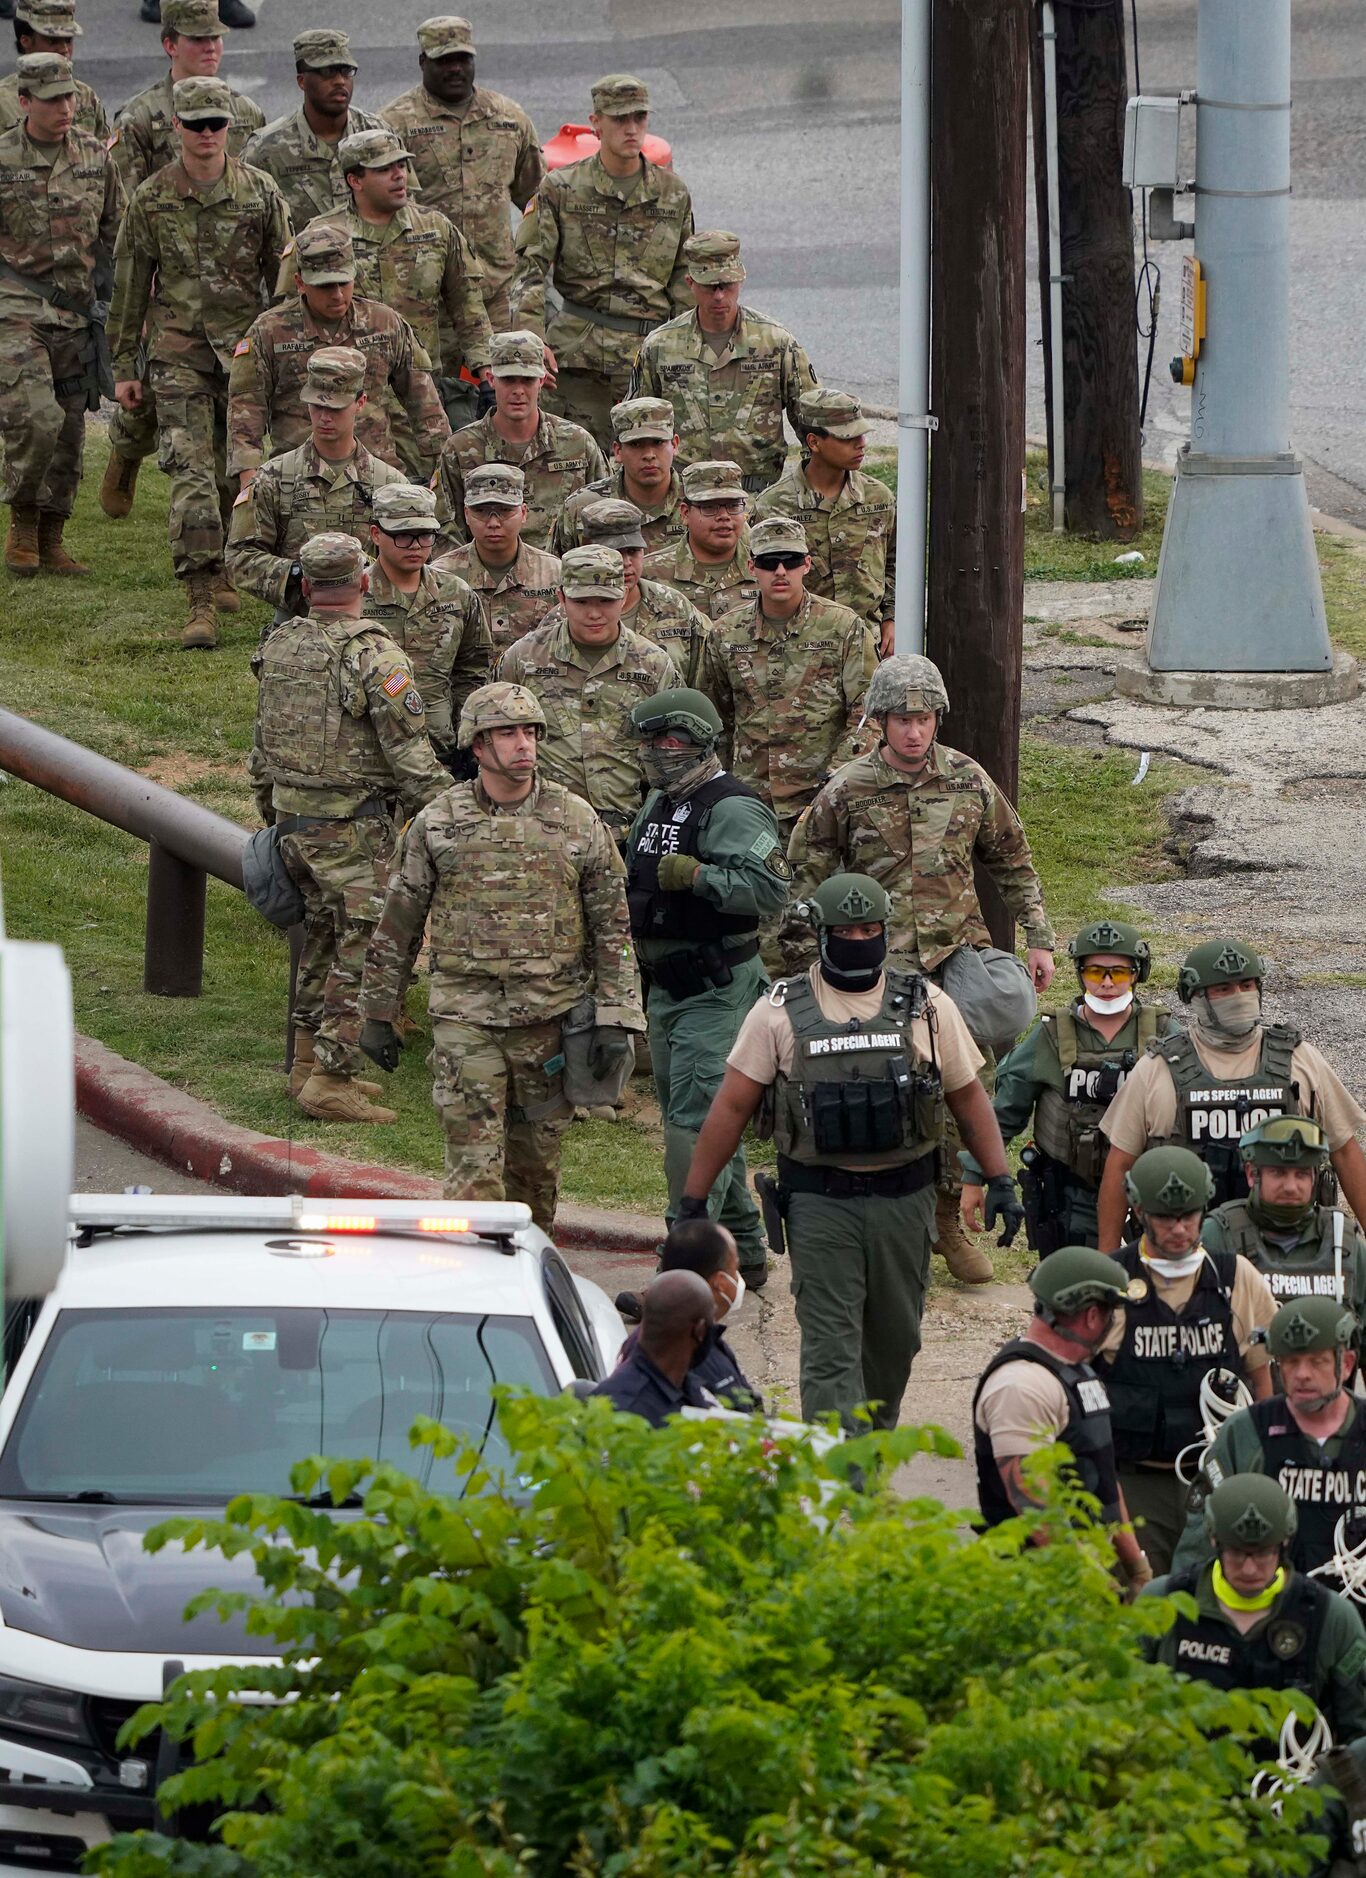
{"points": [[657, 1378], [704, 1247]]}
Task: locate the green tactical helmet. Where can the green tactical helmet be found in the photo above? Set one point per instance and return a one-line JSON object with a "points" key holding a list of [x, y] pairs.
{"points": [[1304, 1324], [904, 683], [848, 900], [1112, 935], [1073, 1277], [679, 709], [1251, 1510], [1168, 1182], [1285, 1141], [497, 707], [1217, 962]]}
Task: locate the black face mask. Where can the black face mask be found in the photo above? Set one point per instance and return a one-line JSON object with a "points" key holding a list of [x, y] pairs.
{"points": [[852, 964]]}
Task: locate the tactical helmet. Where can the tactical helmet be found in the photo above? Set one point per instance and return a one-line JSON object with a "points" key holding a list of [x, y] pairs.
{"points": [[1168, 1182], [1250, 1510], [498, 707], [1112, 935], [1073, 1277], [908, 682], [1217, 962], [1305, 1324], [1285, 1141], [848, 900], [678, 709]]}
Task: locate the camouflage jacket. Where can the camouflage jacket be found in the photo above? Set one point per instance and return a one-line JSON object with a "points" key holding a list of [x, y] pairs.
{"points": [[852, 540], [270, 363], [668, 620], [91, 115], [338, 721], [60, 210], [306, 168], [515, 599], [587, 695], [920, 837], [420, 265], [560, 458], [729, 406], [442, 629], [610, 244], [714, 591], [790, 694], [472, 165], [660, 523], [527, 907], [145, 141], [194, 265], [295, 497]]}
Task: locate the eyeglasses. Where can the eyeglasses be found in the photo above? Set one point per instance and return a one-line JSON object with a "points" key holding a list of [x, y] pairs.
{"points": [[209, 123], [412, 538], [772, 562], [1117, 974]]}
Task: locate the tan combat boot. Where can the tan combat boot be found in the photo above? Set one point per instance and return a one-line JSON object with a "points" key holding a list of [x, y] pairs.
{"points": [[120, 481], [225, 595], [21, 543], [330, 1098], [966, 1261], [52, 556], [305, 1060], [201, 628]]}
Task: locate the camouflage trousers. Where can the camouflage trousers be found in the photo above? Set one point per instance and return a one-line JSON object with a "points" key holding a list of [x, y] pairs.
{"points": [[342, 870], [502, 1111], [43, 430], [192, 448], [133, 434], [587, 398]]}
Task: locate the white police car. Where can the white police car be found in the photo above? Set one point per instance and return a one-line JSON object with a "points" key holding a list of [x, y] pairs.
{"points": [[193, 1349]]}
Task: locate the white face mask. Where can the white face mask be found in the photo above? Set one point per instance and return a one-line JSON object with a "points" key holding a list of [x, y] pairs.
{"points": [[732, 1310], [1175, 1268], [1108, 1007]]}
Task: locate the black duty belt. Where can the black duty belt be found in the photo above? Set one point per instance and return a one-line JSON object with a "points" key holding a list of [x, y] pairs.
{"points": [[303, 824], [700, 968], [618, 322], [840, 1183]]}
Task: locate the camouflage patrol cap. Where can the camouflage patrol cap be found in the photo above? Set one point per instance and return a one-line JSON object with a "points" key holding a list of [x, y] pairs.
{"points": [[713, 257], [500, 485], [777, 534], [679, 708], [45, 75], [611, 524], [619, 94], [1217, 962], [197, 19], [1250, 1511], [54, 19], [371, 150], [838, 413], [445, 33], [196, 98], [904, 683], [1306, 1324], [717, 480], [332, 559], [403, 508], [592, 572], [635, 419], [334, 376], [498, 707], [1167, 1182], [848, 900], [1285, 1141], [324, 255], [1112, 935], [323, 48], [519, 354]]}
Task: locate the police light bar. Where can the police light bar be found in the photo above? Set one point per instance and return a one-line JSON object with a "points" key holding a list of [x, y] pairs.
{"points": [[170, 1212]]}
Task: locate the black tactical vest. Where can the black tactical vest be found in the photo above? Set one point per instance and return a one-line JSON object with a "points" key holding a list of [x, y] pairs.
{"points": [[1212, 1115], [1323, 1490], [1067, 1117], [1087, 1432], [671, 828], [1279, 1654], [1312, 1272], [1154, 1381]]}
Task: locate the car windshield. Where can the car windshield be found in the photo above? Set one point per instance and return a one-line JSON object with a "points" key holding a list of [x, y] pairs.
{"points": [[198, 1405]]}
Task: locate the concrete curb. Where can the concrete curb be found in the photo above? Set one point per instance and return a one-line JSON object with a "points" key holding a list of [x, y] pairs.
{"points": [[130, 1103]]}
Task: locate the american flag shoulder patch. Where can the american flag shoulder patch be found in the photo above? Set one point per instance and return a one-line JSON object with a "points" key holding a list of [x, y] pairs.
{"points": [[242, 347], [396, 684]]}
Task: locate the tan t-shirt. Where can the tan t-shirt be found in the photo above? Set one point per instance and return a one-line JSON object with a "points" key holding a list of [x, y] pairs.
{"points": [[1250, 1301], [1022, 1407], [1145, 1108], [765, 1046]]}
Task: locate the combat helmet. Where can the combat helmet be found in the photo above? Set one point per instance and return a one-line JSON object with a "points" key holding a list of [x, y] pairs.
{"points": [[904, 683], [1166, 1182], [1314, 1323], [1250, 1510], [1217, 962], [1112, 935], [848, 900], [681, 709], [1073, 1277], [1284, 1141], [498, 707]]}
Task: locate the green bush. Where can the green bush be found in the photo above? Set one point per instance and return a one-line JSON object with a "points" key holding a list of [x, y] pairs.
{"points": [[694, 1651]]}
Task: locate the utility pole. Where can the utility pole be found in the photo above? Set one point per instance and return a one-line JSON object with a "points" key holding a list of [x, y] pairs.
{"points": [[979, 130], [1103, 456]]}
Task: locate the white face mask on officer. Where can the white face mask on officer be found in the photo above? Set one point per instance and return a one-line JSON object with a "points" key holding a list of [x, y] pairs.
{"points": [[1108, 1007], [732, 1310]]}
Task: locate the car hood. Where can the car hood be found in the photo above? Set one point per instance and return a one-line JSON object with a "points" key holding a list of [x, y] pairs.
{"points": [[79, 1576]]}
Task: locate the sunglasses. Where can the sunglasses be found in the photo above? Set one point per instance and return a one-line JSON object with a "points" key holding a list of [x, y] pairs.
{"points": [[772, 562], [410, 538], [1117, 974], [209, 123]]}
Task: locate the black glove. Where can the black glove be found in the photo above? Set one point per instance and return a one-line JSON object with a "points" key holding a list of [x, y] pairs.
{"points": [[484, 400], [1003, 1206], [293, 596], [609, 1049], [381, 1043], [690, 1207]]}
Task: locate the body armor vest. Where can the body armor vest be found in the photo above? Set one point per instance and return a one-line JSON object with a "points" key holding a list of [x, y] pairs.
{"points": [[1087, 1432], [315, 732], [1313, 1271], [1211, 1115], [1279, 1654], [507, 903], [1323, 1490], [857, 1091], [1067, 1120], [1154, 1381], [677, 828]]}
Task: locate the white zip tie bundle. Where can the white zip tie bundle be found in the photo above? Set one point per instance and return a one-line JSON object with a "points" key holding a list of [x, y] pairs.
{"points": [[1297, 1759], [1215, 1409], [1348, 1563]]}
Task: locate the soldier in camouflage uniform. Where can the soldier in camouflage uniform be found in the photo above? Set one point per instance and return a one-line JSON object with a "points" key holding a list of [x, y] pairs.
{"points": [[475, 152], [710, 566], [527, 902], [788, 672], [642, 473], [326, 485], [61, 203], [50, 26], [144, 142], [729, 372], [516, 585], [302, 150], [340, 729], [607, 233], [554, 456], [199, 250], [849, 518], [435, 618], [586, 672]]}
